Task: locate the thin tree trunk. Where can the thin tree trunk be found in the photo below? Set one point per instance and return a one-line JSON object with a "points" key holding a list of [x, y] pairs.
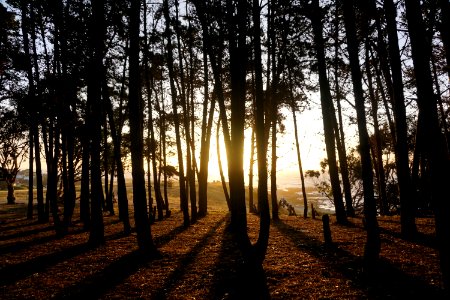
{"points": [[378, 155], [263, 198], [440, 102], [106, 103], [30, 176], [39, 185], [122, 196], [85, 214], [164, 151], [444, 6], [300, 167], [251, 205], [339, 128], [151, 132], [205, 143], [222, 177], [190, 174], [31, 95], [183, 194], [274, 117], [35, 128]]}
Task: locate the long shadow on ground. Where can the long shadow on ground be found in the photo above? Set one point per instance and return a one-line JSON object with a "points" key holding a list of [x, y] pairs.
{"points": [[96, 285], [7, 225], [12, 273], [186, 260], [233, 279], [420, 238], [388, 282], [21, 245], [25, 233]]}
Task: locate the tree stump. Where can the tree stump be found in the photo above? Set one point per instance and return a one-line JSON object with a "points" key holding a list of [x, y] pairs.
{"points": [[326, 229]]}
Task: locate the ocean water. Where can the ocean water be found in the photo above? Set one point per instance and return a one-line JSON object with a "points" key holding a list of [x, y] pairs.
{"points": [[292, 181]]}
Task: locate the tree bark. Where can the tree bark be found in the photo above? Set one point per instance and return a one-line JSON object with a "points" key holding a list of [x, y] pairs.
{"points": [[97, 32], [435, 152], [300, 167], [85, 211], [251, 204], [378, 155], [151, 143], [339, 127], [238, 59], [183, 194], [219, 160], [135, 109], [327, 112], [407, 193], [372, 247], [190, 174]]}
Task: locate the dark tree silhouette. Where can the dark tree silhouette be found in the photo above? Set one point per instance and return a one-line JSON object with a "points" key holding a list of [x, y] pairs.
{"points": [[97, 33], [136, 117], [372, 247], [434, 150], [327, 110]]}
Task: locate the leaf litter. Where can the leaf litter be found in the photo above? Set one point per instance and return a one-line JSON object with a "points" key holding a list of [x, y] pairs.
{"points": [[203, 262]]}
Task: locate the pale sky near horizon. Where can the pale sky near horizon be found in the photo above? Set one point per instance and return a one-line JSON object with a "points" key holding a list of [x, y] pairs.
{"points": [[312, 147]]}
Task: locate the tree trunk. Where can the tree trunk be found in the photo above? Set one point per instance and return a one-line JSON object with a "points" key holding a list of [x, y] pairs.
{"points": [[30, 177], [24, 11], [97, 234], [205, 142], [52, 177], [164, 157], [39, 185], [238, 59], [105, 104], [183, 194], [327, 113], [339, 127], [444, 5], [273, 115], [190, 174], [435, 152], [405, 184], [135, 109], [10, 198], [216, 65], [263, 198], [222, 177], [122, 196], [251, 205], [372, 247], [85, 211], [150, 127], [300, 168], [378, 155]]}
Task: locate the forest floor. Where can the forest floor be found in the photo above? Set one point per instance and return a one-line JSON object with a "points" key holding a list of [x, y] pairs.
{"points": [[203, 262]]}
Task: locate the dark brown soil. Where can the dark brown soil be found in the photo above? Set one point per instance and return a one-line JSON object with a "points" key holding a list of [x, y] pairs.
{"points": [[203, 262]]}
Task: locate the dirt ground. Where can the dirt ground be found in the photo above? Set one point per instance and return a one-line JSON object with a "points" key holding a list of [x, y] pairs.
{"points": [[203, 262]]}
